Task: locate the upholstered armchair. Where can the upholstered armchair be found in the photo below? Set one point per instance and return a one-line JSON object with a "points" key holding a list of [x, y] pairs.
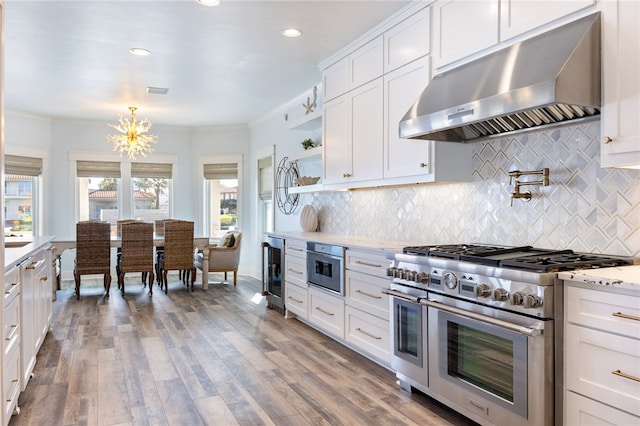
{"points": [[223, 258]]}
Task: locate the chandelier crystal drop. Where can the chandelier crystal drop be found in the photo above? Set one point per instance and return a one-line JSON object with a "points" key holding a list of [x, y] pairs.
{"points": [[133, 138]]}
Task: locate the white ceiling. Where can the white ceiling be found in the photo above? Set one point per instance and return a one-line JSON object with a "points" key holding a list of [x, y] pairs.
{"points": [[222, 65]]}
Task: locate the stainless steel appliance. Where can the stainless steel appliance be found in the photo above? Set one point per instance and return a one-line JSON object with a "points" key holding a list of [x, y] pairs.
{"points": [[545, 80], [273, 273], [494, 328], [325, 266]]}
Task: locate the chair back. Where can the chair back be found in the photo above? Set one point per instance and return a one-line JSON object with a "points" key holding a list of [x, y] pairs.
{"points": [[120, 223], [236, 247], [178, 245], [137, 247], [93, 247]]}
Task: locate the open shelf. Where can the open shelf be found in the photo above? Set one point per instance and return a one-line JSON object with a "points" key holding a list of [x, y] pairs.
{"points": [[306, 188], [311, 121], [307, 153]]}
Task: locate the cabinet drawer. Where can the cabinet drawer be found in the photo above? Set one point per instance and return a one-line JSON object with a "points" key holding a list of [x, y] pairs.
{"points": [[297, 301], [365, 293], [369, 263], [607, 311], [592, 360], [584, 411], [297, 248], [11, 324], [11, 381], [326, 312], [295, 270], [11, 282], [367, 332]]}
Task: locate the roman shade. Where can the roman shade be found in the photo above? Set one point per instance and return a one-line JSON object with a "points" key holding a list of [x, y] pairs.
{"points": [[265, 168], [152, 170], [221, 171], [23, 166], [107, 169]]}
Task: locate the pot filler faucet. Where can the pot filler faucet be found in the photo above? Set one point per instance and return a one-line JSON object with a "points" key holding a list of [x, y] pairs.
{"points": [[516, 189]]}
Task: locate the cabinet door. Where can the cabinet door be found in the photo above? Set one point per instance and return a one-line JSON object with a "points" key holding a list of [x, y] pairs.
{"points": [[367, 131], [404, 157], [335, 80], [407, 41], [520, 16], [621, 67], [27, 322], [581, 411], [336, 140], [366, 63], [462, 28]]}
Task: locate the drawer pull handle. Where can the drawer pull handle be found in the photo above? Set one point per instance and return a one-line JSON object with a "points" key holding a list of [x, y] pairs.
{"points": [[621, 315], [34, 265], [295, 272], [625, 375], [296, 249], [325, 312], [45, 278], [295, 300], [364, 293], [373, 265], [366, 333]]}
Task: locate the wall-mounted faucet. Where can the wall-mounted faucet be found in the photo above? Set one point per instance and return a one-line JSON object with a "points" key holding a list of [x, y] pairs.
{"points": [[516, 189]]}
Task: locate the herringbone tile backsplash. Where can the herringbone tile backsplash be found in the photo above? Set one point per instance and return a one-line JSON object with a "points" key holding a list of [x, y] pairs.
{"points": [[585, 208]]}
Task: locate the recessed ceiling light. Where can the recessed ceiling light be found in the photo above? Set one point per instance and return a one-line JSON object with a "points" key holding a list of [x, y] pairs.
{"points": [[292, 32], [139, 51], [209, 2]]}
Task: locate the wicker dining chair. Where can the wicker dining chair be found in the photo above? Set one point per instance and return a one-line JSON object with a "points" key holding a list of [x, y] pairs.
{"points": [[136, 252], [93, 252], [119, 234], [178, 251]]}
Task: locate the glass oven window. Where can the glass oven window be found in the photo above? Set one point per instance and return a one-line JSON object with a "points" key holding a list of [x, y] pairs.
{"points": [[482, 359], [324, 268], [408, 331]]}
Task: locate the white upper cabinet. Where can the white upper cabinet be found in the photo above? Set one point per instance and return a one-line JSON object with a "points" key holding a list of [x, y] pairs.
{"points": [[366, 64], [401, 89], [462, 27], [520, 16], [336, 144], [407, 41], [367, 131], [620, 121], [335, 79]]}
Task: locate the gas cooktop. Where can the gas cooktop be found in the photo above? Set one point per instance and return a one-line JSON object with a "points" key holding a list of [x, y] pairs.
{"points": [[522, 257]]}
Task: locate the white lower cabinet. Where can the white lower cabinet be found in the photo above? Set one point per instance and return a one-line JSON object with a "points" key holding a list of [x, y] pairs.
{"points": [[296, 288], [326, 312], [11, 343], [368, 332], [297, 300], [602, 356]]}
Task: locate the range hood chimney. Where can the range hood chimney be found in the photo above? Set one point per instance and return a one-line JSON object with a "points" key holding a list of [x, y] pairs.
{"points": [[548, 79]]}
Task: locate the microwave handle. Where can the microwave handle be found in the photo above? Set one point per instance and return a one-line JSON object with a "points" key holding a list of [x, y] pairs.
{"points": [[527, 331]]}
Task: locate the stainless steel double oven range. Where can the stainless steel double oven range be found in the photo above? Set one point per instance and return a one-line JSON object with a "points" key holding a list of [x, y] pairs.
{"points": [[479, 327]]}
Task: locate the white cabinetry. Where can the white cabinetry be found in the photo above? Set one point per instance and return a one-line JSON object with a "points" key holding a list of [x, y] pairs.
{"points": [[602, 356], [621, 84], [461, 28], [11, 342], [296, 287], [353, 135], [367, 308], [407, 41], [520, 16], [326, 312], [35, 310]]}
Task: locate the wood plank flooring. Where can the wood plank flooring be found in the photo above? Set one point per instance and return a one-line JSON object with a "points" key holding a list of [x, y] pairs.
{"points": [[210, 357]]}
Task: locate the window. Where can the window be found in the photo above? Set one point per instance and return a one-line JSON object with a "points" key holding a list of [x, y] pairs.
{"points": [[265, 194], [98, 190], [151, 190], [221, 197], [22, 178]]}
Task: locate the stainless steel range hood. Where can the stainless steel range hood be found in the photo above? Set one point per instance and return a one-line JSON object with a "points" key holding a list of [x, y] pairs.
{"points": [[551, 78]]}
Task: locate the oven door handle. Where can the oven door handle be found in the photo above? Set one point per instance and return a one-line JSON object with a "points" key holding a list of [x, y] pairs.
{"points": [[527, 331], [400, 295]]}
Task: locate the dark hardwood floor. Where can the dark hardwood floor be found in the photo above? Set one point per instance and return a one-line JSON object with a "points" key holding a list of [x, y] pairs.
{"points": [[215, 357]]}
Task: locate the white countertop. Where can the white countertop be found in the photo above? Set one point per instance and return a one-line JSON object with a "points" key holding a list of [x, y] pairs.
{"points": [[623, 277], [14, 255], [347, 241]]}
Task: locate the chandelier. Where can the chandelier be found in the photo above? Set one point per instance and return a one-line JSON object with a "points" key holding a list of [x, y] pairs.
{"points": [[133, 138]]}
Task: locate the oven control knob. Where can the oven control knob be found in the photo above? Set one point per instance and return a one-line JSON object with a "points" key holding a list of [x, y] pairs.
{"points": [[450, 280], [422, 277], [531, 301], [516, 298], [398, 273], [410, 275], [482, 290], [391, 271], [500, 294]]}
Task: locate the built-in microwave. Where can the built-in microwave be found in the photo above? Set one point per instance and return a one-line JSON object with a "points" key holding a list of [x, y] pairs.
{"points": [[325, 266]]}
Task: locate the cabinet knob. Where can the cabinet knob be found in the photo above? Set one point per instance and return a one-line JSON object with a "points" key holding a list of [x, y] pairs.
{"points": [[423, 165], [607, 139], [346, 175], [44, 278]]}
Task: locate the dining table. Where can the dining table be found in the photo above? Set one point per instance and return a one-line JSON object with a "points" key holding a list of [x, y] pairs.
{"points": [[201, 243]]}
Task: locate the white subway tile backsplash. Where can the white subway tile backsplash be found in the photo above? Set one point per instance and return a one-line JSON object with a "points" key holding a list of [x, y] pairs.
{"points": [[585, 207]]}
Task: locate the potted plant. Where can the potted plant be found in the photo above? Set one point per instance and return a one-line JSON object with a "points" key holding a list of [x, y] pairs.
{"points": [[308, 143]]}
